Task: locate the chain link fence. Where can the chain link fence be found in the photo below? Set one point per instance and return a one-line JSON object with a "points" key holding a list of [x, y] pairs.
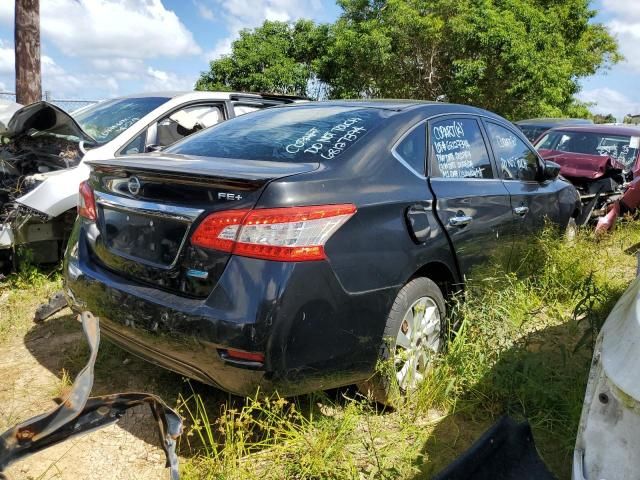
{"points": [[69, 105]]}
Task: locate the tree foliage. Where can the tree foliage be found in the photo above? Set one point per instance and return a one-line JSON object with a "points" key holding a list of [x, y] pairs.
{"points": [[519, 58], [599, 118], [276, 57]]}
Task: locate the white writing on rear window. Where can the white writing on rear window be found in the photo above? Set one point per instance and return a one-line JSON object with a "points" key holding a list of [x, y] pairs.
{"points": [[330, 143]]}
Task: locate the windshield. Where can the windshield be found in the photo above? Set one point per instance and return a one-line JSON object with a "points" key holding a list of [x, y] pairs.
{"points": [[104, 121], [287, 134], [622, 148]]}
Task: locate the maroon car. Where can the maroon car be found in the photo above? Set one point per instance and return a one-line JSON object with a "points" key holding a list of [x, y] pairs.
{"points": [[600, 160]]}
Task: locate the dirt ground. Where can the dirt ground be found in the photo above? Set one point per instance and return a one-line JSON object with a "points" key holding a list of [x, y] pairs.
{"points": [[36, 368]]}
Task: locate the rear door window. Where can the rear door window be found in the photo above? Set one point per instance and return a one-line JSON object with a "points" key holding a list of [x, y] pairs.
{"points": [[515, 159], [309, 133], [458, 149]]}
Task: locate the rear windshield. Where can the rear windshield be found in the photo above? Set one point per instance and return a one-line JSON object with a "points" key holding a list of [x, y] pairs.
{"points": [[622, 148], [286, 134]]}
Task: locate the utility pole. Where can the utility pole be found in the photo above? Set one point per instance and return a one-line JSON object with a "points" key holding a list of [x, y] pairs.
{"points": [[27, 50]]}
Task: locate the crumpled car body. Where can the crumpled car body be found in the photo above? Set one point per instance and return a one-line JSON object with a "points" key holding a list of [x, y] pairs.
{"points": [[581, 167], [608, 439], [599, 160], [44, 152]]}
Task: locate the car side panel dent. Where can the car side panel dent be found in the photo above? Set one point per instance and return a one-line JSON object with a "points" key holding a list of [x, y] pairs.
{"points": [[58, 191]]}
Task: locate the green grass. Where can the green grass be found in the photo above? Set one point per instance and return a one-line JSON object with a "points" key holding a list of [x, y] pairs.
{"points": [[20, 294], [523, 347]]}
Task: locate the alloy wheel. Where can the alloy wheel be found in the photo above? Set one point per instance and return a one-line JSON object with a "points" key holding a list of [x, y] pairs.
{"points": [[417, 341]]}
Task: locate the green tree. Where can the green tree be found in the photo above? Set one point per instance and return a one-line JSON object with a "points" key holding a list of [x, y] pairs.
{"points": [[519, 58], [276, 58], [609, 118]]}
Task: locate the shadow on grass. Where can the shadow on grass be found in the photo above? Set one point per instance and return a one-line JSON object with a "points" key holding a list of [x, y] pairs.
{"points": [[541, 379], [59, 345]]}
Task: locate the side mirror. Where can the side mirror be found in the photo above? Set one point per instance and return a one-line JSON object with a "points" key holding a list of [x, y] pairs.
{"points": [[551, 170], [153, 148]]}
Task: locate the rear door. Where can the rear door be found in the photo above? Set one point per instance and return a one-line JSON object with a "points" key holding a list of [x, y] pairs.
{"points": [[533, 199], [472, 203]]}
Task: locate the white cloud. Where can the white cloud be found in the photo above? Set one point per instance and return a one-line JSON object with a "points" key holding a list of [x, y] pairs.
{"points": [[608, 100], [111, 28], [159, 80], [239, 14], [204, 11], [7, 60], [130, 65], [625, 26], [628, 35], [625, 8]]}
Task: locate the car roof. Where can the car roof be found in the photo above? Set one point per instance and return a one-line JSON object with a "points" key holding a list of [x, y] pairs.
{"points": [[205, 94], [603, 129], [403, 105], [550, 122]]}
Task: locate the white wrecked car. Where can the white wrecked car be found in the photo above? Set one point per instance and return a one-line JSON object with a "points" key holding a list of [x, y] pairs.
{"points": [[44, 149], [608, 438]]}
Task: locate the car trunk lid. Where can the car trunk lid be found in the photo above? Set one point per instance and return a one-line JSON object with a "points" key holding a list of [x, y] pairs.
{"points": [[148, 206]]}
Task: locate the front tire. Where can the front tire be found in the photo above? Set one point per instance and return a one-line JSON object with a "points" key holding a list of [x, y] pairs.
{"points": [[415, 332]]}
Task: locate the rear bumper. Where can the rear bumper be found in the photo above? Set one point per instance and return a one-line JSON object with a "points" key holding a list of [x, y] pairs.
{"points": [[314, 334]]}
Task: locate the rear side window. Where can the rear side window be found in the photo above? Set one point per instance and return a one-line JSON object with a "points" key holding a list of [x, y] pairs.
{"points": [[288, 134], [413, 149], [515, 159], [458, 150]]}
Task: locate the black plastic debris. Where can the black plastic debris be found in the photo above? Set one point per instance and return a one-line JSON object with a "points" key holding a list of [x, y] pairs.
{"points": [[78, 414], [504, 452]]}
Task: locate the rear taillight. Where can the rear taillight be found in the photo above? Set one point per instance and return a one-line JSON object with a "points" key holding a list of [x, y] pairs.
{"points": [[284, 234], [86, 202]]}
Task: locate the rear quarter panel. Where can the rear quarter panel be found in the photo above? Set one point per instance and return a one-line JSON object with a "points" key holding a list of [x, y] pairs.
{"points": [[374, 249]]}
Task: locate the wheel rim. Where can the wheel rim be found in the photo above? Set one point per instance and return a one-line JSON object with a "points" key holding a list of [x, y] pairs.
{"points": [[418, 339]]}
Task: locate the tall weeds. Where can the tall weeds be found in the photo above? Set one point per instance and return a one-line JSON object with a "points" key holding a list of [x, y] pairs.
{"points": [[522, 347]]}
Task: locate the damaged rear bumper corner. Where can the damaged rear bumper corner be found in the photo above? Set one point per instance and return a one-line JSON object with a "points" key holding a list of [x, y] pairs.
{"points": [[139, 326]]}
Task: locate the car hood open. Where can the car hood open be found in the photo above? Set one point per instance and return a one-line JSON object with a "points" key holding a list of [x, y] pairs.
{"points": [[45, 117], [580, 165]]}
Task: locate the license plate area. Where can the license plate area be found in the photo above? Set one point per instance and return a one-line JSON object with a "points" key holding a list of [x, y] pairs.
{"points": [[151, 239]]}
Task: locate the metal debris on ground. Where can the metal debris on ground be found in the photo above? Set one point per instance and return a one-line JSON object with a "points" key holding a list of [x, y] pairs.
{"points": [[56, 303], [78, 413]]}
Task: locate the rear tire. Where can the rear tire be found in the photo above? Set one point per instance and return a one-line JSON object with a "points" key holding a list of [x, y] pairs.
{"points": [[415, 332]]}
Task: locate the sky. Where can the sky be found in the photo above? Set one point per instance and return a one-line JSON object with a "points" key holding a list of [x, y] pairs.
{"points": [[95, 49]]}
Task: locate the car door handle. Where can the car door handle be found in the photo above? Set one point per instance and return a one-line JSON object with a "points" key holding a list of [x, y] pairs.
{"points": [[460, 220], [522, 210]]}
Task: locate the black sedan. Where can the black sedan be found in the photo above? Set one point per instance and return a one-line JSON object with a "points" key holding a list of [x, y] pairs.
{"points": [[294, 247]]}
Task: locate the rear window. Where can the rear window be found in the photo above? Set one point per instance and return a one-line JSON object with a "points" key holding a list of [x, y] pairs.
{"points": [[287, 134], [622, 148]]}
